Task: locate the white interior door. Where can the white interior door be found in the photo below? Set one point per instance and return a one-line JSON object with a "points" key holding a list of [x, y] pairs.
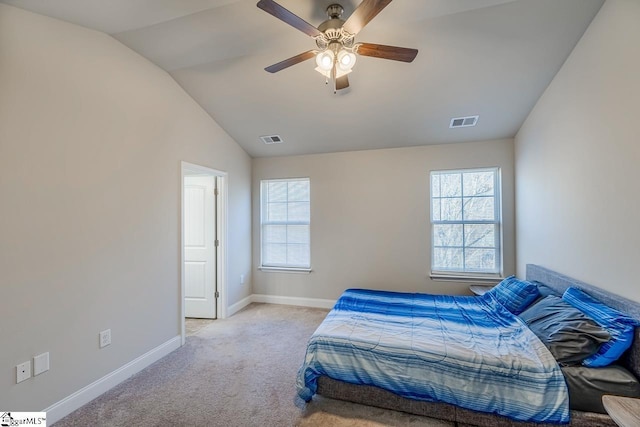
{"points": [[199, 246]]}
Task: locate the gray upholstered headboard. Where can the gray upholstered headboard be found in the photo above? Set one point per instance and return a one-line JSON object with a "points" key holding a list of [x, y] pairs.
{"points": [[560, 283]]}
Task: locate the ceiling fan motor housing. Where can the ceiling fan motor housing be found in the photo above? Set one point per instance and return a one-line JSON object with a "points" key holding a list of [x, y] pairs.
{"points": [[335, 11], [332, 31]]}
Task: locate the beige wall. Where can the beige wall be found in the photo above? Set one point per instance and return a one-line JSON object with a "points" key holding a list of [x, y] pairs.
{"points": [[370, 217], [577, 157], [91, 140]]}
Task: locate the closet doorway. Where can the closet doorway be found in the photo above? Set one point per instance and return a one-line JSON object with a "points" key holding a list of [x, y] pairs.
{"points": [[203, 228]]}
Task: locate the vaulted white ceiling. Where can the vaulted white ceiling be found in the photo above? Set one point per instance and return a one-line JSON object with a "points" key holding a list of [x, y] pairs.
{"points": [[492, 58]]}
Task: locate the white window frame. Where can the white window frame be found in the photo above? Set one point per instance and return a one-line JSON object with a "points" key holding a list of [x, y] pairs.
{"points": [[469, 274], [263, 222]]}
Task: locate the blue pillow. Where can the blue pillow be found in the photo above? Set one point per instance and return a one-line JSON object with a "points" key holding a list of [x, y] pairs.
{"points": [[620, 326], [514, 294]]}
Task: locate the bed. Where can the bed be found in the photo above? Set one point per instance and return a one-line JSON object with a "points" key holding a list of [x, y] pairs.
{"points": [[515, 380]]}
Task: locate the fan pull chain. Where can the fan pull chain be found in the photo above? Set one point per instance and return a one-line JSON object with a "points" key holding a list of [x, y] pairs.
{"points": [[334, 78]]}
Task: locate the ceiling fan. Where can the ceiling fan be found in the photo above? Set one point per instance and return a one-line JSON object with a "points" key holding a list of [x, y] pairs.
{"points": [[337, 49]]}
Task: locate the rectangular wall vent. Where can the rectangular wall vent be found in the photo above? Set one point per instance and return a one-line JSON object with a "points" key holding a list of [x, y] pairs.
{"points": [[463, 122], [271, 139]]}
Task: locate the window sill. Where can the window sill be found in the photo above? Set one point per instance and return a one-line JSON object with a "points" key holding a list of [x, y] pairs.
{"points": [[285, 270], [464, 278]]}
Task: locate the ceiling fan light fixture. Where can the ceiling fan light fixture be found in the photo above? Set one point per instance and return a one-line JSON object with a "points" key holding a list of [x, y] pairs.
{"points": [[346, 60], [325, 60], [327, 73], [340, 73]]}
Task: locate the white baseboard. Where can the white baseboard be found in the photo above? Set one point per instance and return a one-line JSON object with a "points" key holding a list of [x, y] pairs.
{"points": [[86, 394], [234, 308], [300, 301]]}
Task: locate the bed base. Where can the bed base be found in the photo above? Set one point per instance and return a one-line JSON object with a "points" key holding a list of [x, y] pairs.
{"points": [[374, 396]]}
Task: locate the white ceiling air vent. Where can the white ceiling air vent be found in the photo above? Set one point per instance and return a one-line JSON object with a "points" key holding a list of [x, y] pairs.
{"points": [[463, 122], [271, 139]]}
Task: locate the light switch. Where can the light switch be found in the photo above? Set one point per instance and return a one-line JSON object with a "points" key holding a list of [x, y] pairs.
{"points": [[40, 363]]}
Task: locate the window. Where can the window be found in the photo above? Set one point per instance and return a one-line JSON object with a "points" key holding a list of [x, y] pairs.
{"points": [[465, 223], [285, 223]]}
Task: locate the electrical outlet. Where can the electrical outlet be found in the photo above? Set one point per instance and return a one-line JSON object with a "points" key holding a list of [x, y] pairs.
{"points": [[105, 338], [40, 363], [23, 371], [242, 279]]}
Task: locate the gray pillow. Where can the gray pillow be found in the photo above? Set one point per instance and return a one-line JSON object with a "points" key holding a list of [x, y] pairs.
{"points": [[588, 385], [567, 332], [545, 290]]}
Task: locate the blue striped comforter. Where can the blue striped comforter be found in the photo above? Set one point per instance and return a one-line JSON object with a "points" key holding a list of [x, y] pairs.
{"points": [[467, 351]]}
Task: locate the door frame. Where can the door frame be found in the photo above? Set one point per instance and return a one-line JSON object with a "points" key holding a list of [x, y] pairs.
{"points": [[187, 168]]}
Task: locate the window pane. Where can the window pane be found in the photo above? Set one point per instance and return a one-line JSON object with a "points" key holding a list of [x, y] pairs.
{"points": [[298, 255], [298, 234], [480, 259], [299, 191], [435, 185], [274, 254], [451, 184], [447, 235], [479, 209], [447, 259], [276, 212], [480, 235], [298, 212], [274, 234], [478, 183], [435, 210], [451, 209], [277, 191]]}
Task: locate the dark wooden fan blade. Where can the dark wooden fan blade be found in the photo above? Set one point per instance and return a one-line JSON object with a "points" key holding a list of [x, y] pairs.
{"points": [[291, 61], [342, 82], [403, 54], [365, 12], [290, 18]]}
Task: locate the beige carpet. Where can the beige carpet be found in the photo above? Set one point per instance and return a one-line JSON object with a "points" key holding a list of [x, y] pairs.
{"points": [[192, 326], [234, 372]]}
